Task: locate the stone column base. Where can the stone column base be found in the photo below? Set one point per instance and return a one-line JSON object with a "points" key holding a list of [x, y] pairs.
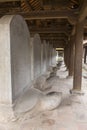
{"points": [[77, 92], [69, 77]]}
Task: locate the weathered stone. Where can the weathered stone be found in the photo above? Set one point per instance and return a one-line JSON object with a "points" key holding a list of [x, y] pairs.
{"points": [[47, 56], [27, 101], [50, 51], [15, 66], [32, 59], [36, 61], [54, 57], [53, 73], [46, 102], [51, 101], [50, 69], [76, 92], [41, 83], [47, 74], [43, 58]]}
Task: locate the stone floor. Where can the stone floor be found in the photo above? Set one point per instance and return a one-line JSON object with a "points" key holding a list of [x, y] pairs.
{"points": [[70, 115]]}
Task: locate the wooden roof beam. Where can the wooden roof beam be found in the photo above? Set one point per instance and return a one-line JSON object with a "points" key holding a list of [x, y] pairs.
{"points": [[52, 14], [65, 41], [60, 44], [49, 14], [49, 30], [83, 11], [55, 38], [8, 0]]}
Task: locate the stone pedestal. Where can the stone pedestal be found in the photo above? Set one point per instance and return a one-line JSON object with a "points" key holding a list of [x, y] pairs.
{"points": [[15, 66], [43, 57], [76, 92], [54, 57], [36, 56]]}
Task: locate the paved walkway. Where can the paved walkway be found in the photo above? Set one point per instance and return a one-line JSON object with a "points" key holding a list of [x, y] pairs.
{"points": [[70, 115]]}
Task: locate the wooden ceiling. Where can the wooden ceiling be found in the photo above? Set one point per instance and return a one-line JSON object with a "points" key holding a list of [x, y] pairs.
{"points": [[52, 19]]}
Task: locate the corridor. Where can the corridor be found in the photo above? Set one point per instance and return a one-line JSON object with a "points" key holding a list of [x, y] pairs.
{"points": [[36, 91], [71, 114]]}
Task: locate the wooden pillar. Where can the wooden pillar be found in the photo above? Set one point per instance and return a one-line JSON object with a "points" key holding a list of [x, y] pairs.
{"points": [[66, 56], [85, 53], [77, 81], [71, 58]]}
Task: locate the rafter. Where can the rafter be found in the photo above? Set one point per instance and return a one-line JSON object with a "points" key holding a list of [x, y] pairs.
{"points": [[29, 5]]}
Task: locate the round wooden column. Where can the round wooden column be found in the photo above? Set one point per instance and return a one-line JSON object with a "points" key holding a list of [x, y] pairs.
{"points": [[85, 53], [66, 56], [77, 81], [71, 59]]}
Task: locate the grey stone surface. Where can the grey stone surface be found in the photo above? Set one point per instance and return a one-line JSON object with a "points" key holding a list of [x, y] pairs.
{"points": [[32, 59], [47, 102], [47, 74], [40, 83], [36, 56], [22, 60], [43, 58], [54, 57], [51, 55], [15, 74], [76, 92], [51, 48], [20, 55], [51, 100], [27, 101], [70, 115], [48, 55]]}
